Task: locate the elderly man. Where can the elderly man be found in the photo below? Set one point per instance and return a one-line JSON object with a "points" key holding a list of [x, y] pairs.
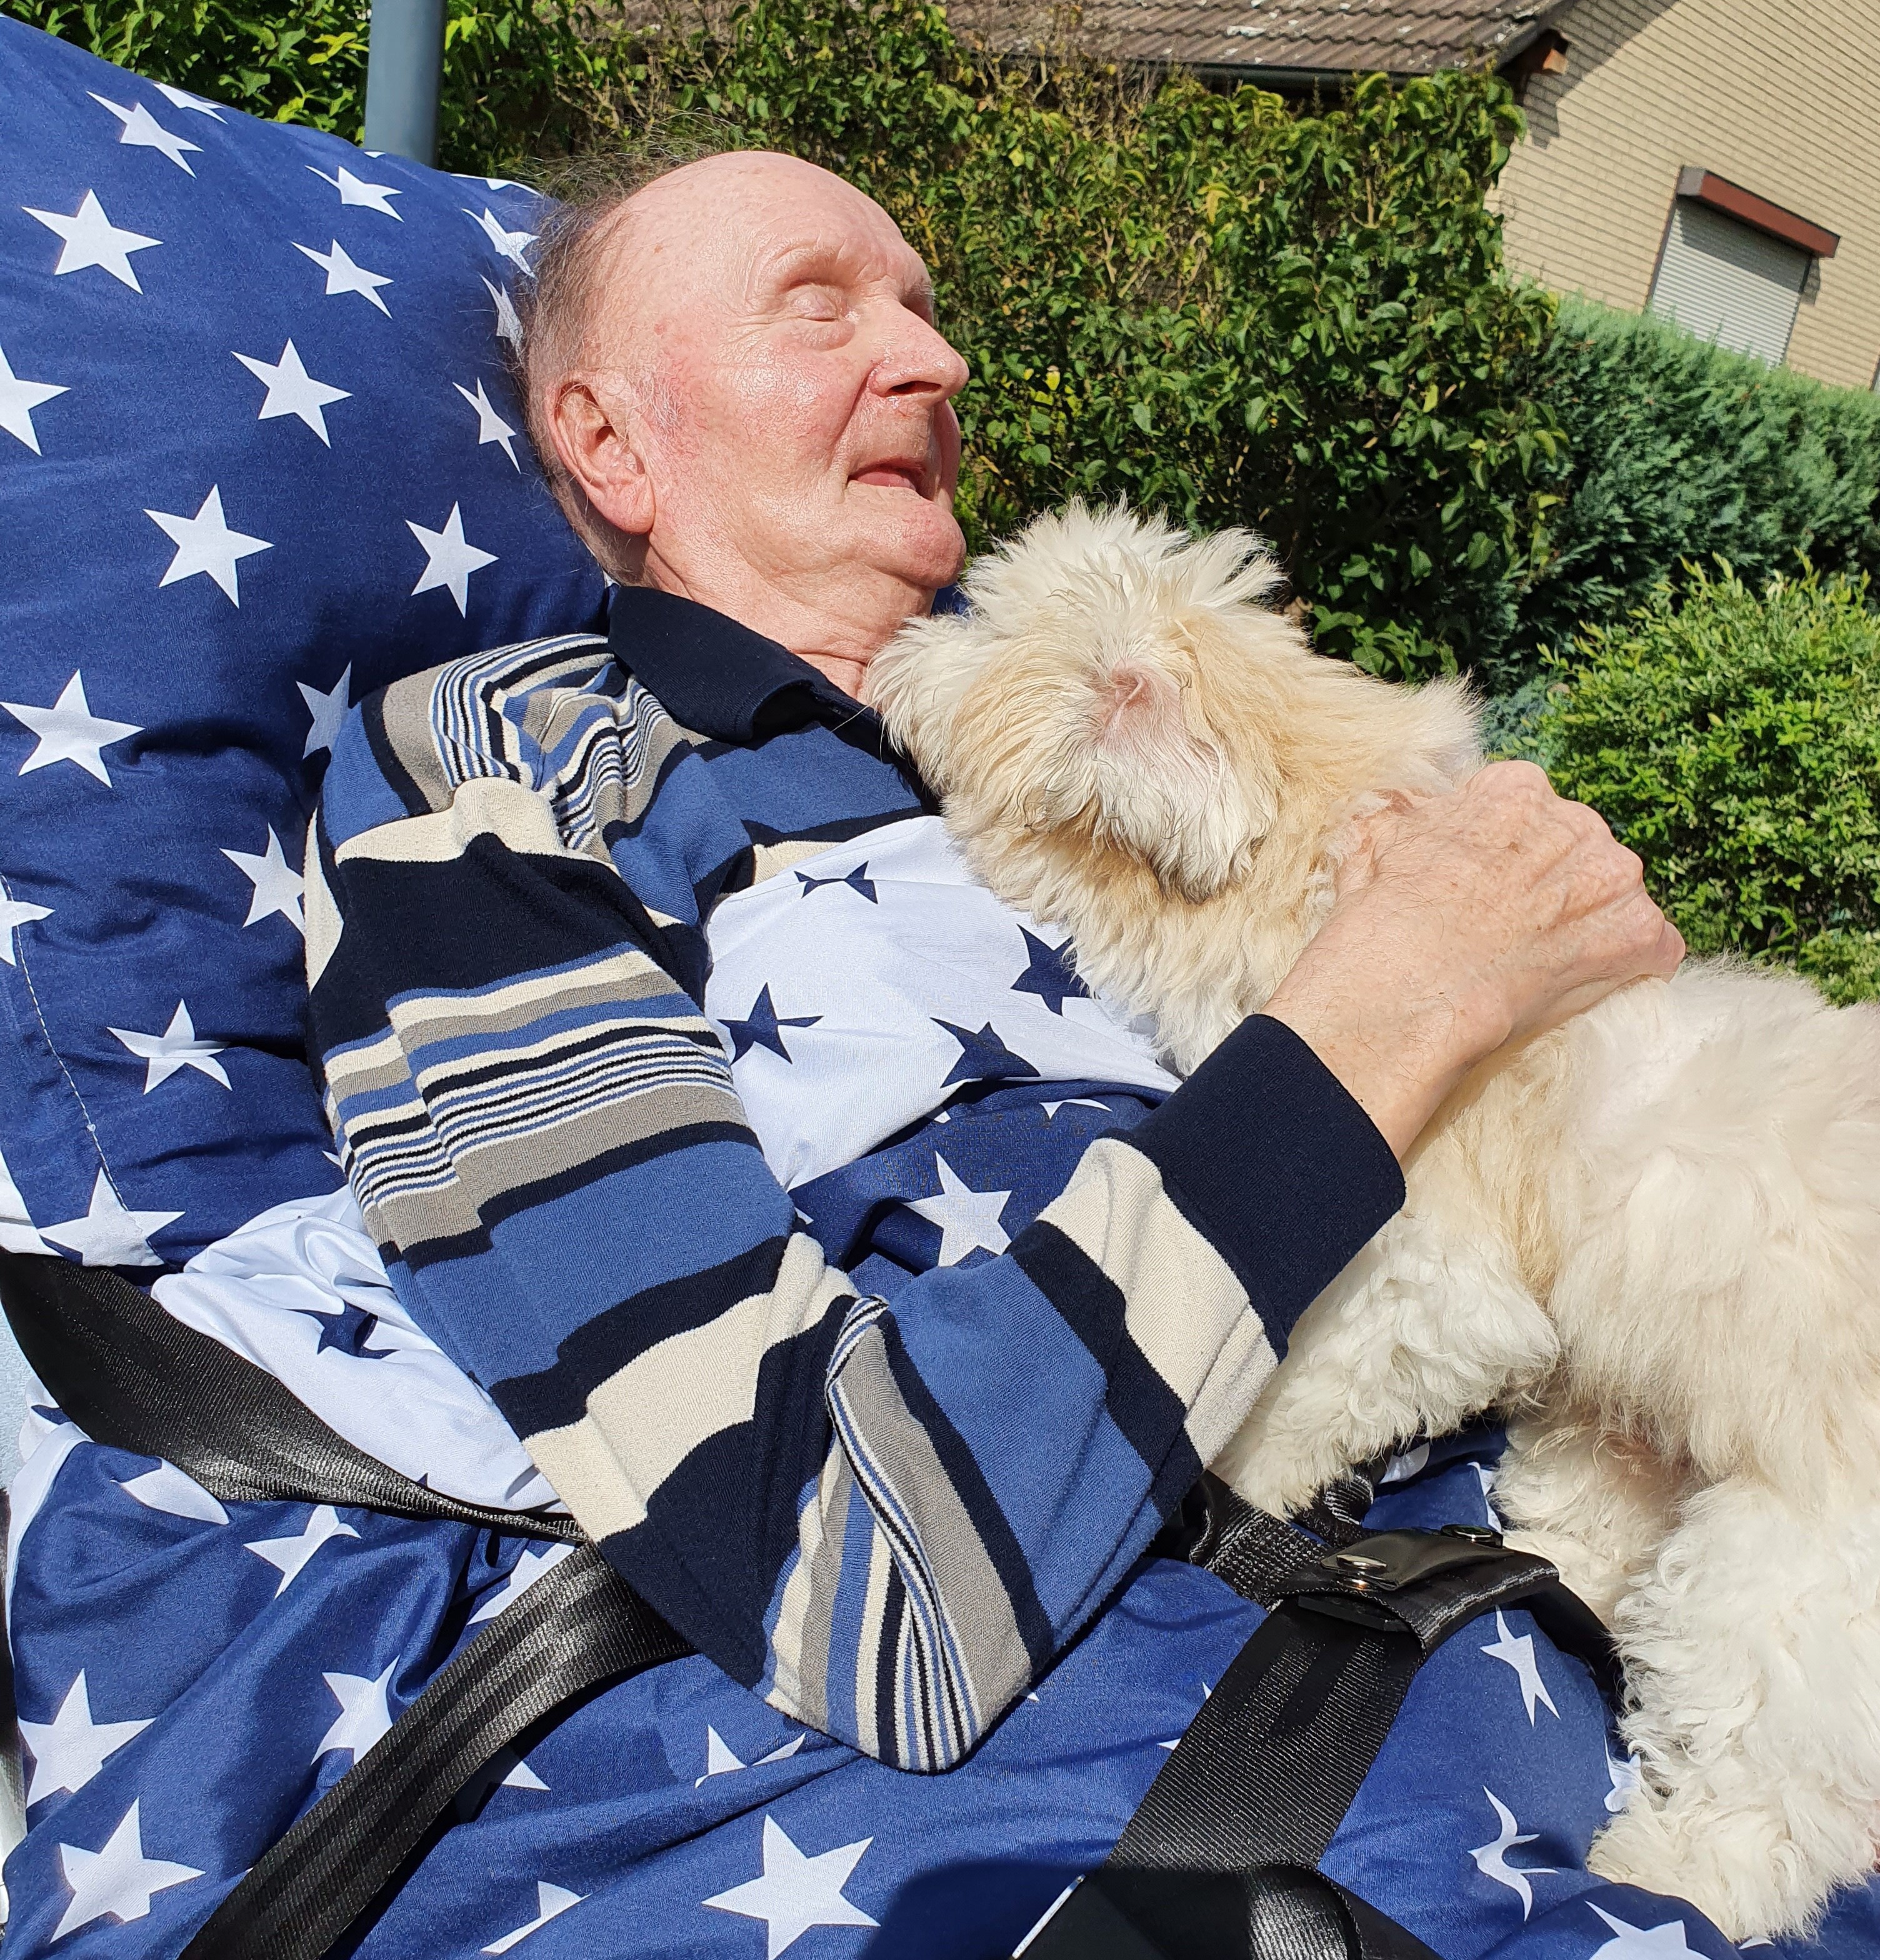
{"points": [[849, 1496], [883, 1508]]}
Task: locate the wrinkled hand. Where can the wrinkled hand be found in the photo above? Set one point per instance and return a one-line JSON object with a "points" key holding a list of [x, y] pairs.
{"points": [[1463, 921]]}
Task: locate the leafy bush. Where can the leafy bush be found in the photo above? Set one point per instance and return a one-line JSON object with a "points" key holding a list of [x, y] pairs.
{"points": [[1733, 740], [1310, 334], [518, 78], [1674, 450], [1205, 302]]}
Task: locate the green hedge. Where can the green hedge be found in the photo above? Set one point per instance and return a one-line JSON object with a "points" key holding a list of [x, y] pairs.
{"points": [[1676, 450], [1732, 737], [1205, 302]]}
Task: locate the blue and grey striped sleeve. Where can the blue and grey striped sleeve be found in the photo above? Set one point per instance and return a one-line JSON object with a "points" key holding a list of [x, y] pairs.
{"points": [[886, 1518]]}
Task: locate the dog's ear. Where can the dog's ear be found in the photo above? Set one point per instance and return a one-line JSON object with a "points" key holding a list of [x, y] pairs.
{"points": [[916, 684], [1192, 796], [1233, 726], [1139, 709]]}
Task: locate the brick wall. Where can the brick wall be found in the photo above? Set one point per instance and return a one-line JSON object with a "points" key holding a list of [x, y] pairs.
{"points": [[1780, 96]]}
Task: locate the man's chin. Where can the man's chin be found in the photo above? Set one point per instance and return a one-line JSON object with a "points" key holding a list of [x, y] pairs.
{"points": [[923, 548]]}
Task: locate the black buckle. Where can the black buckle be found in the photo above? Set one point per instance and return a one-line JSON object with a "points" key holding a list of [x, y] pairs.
{"points": [[1389, 1561], [1428, 1584], [1432, 1584]]}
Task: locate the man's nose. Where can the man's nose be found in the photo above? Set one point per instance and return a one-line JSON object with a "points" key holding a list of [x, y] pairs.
{"points": [[917, 359]]}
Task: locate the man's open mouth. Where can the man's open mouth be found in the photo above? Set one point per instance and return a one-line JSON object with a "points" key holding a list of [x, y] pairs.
{"points": [[898, 475]]}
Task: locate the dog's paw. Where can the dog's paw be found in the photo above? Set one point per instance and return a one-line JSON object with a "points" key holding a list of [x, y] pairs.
{"points": [[1733, 1869], [1267, 1481], [1597, 1580]]}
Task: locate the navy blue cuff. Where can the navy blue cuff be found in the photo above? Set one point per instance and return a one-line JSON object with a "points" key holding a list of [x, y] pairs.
{"points": [[1267, 1154]]}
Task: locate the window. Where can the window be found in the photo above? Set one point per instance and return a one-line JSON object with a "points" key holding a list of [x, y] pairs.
{"points": [[1734, 265], [1722, 281]]}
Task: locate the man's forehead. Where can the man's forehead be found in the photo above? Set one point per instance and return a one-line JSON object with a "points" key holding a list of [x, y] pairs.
{"points": [[748, 223]]}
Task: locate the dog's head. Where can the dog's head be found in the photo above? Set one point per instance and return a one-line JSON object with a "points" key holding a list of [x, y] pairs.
{"points": [[1125, 687]]}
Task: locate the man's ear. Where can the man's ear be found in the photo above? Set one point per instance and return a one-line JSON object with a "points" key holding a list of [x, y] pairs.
{"points": [[597, 436]]}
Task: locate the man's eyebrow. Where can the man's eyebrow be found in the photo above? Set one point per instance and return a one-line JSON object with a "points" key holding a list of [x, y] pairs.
{"points": [[794, 263]]}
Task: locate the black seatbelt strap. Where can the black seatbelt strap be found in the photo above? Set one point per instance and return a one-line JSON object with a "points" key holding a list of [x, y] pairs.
{"points": [[1217, 1864], [1279, 1913], [1219, 1861], [135, 1378], [576, 1628]]}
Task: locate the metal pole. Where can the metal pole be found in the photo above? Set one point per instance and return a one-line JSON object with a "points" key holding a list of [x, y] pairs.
{"points": [[404, 65]]}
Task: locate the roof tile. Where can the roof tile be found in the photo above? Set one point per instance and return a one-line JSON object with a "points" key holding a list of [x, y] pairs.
{"points": [[1336, 36]]}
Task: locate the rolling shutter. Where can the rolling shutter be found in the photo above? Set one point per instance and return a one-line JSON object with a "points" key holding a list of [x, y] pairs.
{"points": [[1724, 281]]}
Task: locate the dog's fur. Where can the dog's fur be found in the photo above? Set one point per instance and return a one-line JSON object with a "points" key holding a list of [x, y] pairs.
{"points": [[1651, 1236]]}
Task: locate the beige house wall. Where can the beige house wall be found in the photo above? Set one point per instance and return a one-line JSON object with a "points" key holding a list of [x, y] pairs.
{"points": [[1781, 96]]}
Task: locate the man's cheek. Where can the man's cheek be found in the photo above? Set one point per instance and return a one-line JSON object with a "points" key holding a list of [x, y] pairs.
{"points": [[801, 393]]}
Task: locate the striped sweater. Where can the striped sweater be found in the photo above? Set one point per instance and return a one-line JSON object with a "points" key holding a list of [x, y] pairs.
{"points": [[885, 1515]]}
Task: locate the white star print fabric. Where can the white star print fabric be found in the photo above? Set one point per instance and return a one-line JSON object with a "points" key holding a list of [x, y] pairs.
{"points": [[855, 989], [675, 1817], [260, 454]]}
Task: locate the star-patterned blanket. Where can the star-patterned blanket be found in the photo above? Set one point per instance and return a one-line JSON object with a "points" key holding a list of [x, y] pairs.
{"points": [[893, 1004], [230, 1658], [257, 455]]}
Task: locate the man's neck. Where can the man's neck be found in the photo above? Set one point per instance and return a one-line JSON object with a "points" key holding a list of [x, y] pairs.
{"points": [[838, 636], [848, 673]]}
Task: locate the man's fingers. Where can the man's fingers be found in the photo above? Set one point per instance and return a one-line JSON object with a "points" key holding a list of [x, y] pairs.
{"points": [[1643, 943], [1512, 778], [1374, 834]]}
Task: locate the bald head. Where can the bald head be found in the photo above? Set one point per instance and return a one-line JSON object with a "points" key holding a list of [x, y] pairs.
{"points": [[707, 232], [733, 378]]}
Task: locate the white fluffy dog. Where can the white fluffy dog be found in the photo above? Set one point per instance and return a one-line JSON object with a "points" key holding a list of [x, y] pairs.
{"points": [[1652, 1235]]}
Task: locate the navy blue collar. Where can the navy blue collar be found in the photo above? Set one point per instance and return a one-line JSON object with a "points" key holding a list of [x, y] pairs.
{"points": [[715, 677]]}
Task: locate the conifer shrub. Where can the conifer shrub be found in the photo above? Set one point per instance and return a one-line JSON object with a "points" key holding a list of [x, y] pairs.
{"points": [[1674, 450]]}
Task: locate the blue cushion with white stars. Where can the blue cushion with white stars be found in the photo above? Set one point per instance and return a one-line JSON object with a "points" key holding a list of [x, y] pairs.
{"points": [[259, 455]]}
